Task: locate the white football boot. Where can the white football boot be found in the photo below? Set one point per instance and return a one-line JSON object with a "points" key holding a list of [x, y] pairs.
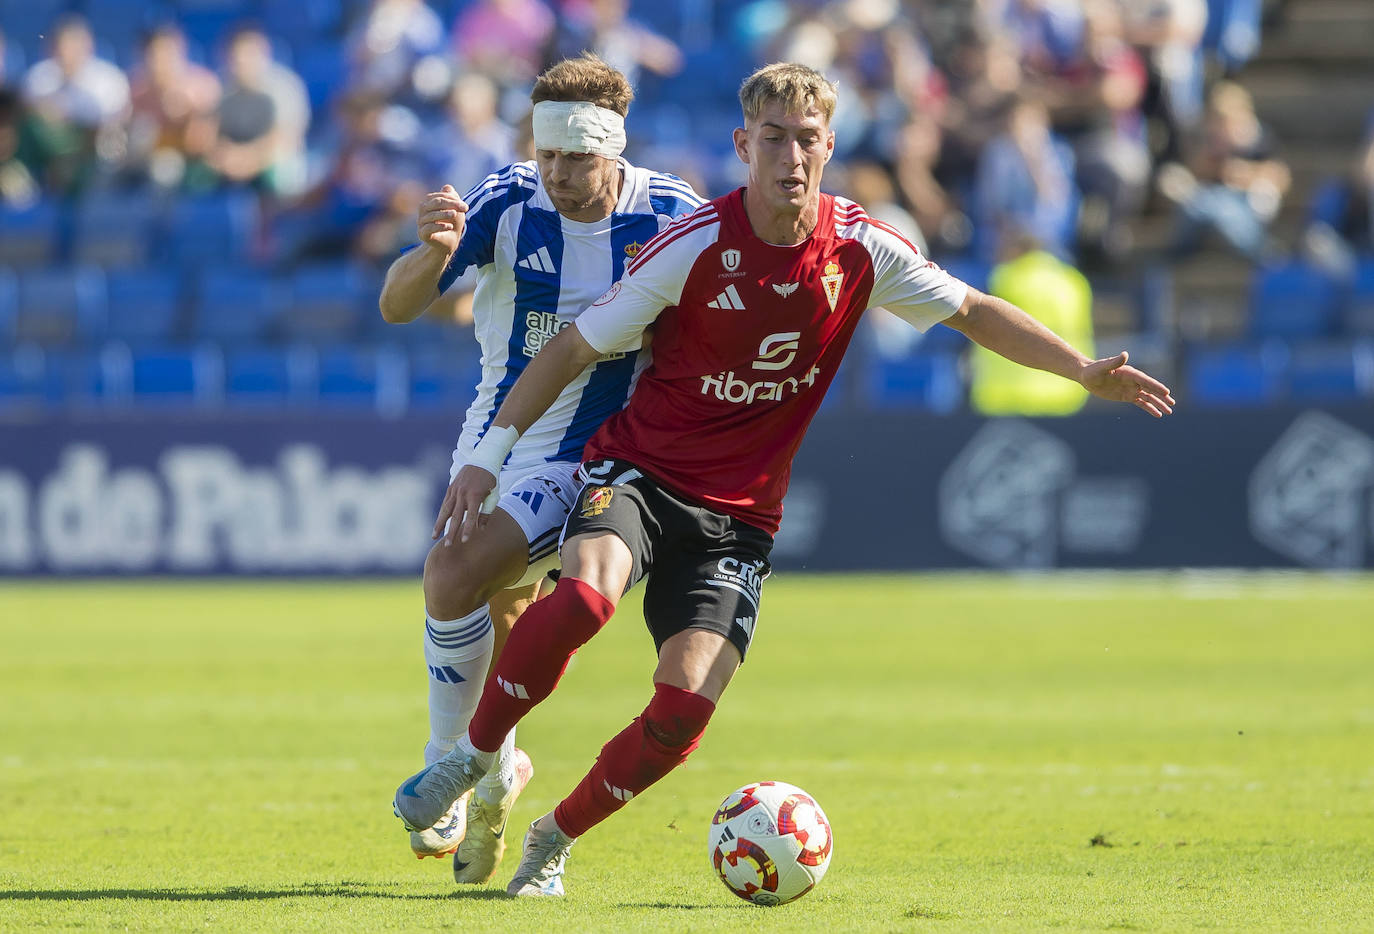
{"points": [[481, 850], [541, 868], [445, 836]]}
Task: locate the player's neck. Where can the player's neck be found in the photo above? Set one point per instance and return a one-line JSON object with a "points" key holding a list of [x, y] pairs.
{"points": [[786, 227]]}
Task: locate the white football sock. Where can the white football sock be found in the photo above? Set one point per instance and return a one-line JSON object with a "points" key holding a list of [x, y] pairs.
{"points": [[501, 778], [457, 653]]}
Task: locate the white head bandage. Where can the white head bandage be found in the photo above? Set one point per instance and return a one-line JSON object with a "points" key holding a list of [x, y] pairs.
{"points": [[578, 126]]}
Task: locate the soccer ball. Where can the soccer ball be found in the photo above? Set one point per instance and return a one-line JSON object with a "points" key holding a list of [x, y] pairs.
{"points": [[770, 843]]}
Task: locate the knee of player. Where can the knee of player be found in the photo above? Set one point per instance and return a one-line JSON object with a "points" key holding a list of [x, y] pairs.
{"points": [[452, 589], [674, 734], [676, 718]]}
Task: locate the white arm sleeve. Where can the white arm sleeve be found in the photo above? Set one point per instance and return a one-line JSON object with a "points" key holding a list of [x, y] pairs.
{"points": [[906, 283], [616, 321]]}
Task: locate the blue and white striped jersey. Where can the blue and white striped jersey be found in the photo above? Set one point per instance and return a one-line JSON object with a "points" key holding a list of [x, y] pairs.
{"points": [[536, 271]]}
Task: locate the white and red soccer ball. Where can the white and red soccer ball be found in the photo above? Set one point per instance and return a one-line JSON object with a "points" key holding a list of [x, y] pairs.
{"points": [[770, 843]]}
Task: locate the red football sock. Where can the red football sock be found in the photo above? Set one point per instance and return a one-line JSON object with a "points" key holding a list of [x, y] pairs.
{"points": [[658, 741], [540, 645]]}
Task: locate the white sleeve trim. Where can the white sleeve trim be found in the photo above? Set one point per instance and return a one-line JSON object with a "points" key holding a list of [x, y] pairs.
{"points": [[905, 282]]}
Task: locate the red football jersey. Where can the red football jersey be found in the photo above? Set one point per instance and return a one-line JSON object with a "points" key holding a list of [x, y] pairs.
{"points": [[748, 336]]}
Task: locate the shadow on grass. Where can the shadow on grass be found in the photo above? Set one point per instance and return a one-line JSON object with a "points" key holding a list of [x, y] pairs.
{"points": [[245, 894], [679, 906]]}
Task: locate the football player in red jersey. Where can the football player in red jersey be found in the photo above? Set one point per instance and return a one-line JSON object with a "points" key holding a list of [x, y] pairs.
{"points": [[754, 298]]}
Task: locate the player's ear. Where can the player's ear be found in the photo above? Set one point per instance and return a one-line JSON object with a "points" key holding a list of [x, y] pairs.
{"points": [[829, 145], [741, 137]]}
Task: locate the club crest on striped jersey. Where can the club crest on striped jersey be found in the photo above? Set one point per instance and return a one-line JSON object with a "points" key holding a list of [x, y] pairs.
{"points": [[596, 500], [632, 249], [831, 280]]}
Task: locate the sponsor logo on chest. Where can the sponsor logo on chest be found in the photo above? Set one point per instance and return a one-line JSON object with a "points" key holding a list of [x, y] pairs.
{"points": [[776, 352], [543, 326]]}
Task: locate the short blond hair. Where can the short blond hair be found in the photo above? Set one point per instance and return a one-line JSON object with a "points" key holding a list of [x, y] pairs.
{"points": [[796, 87], [586, 78]]}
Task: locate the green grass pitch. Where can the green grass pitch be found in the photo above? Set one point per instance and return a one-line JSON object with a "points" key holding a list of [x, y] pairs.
{"points": [[1083, 752]]}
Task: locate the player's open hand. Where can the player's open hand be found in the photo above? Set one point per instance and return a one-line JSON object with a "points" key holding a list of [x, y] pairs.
{"points": [[1112, 379], [470, 498], [441, 218]]}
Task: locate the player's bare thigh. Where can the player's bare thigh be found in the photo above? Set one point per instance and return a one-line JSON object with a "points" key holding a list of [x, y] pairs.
{"points": [[464, 575], [601, 560], [698, 660]]}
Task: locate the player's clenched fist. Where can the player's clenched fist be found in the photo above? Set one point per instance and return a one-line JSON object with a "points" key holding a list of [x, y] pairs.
{"points": [[441, 219]]}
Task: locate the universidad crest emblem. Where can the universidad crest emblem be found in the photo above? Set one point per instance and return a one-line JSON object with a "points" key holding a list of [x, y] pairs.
{"points": [[831, 281]]}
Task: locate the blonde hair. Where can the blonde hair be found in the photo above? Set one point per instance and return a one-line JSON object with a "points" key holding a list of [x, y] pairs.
{"points": [[586, 78], [796, 87]]}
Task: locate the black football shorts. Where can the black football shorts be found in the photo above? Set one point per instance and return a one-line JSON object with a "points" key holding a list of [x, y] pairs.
{"points": [[705, 569]]}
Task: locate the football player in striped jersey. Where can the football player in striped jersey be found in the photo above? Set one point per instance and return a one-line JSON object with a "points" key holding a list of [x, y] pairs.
{"points": [[545, 238]]}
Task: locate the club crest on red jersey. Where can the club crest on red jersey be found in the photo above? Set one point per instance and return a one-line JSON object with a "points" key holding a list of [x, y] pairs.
{"points": [[595, 501], [611, 293], [730, 259], [831, 281]]}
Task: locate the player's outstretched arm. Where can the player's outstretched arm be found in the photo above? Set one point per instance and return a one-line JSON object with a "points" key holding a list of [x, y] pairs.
{"points": [[472, 494], [412, 282], [1005, 329]]}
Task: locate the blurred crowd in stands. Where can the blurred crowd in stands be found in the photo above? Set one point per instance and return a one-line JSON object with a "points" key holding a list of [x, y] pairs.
{"points": [[271, 153]]}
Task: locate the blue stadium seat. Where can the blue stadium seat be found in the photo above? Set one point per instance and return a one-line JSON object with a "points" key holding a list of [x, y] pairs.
{"points": [[323, 66], [1359, 308], [441, 380], [348, 377], [1237, 375], [144, 305], [328, 301], [30, 236], [60, 306], [209, 22], [23, 378], [269, 376], [124, 23], [1340, 371], [236, 304], [302, 20], [424, 332], [176, 376], [1293, 300], [64, 378], [116, 229], [212, 228], [27, 24], [9, 305], [923, 381]]}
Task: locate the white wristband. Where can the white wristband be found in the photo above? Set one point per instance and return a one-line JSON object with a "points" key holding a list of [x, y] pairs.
{"points": [[491, 452]]}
